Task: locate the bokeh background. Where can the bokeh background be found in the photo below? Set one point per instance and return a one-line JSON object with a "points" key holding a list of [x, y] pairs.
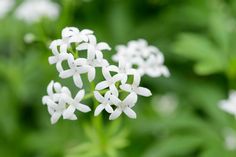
{"points": [[181, 119]]}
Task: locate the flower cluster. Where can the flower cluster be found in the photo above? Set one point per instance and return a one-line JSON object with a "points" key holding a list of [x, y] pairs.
{"points": [[117, 93], [146, 59], [60, 102], [230, 104], [32, 11], [5, 7]]}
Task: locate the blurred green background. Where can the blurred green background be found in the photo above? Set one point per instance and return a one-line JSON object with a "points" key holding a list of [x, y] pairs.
{"points": [[181, 119]]}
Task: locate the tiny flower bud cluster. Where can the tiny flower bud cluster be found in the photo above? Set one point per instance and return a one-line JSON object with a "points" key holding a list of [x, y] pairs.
{"points": [[146, 59], [70, 49]]}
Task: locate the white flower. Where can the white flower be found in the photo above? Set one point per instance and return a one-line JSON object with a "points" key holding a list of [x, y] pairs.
{"points": [[64, 43], [123, 106], [123, 69], [97, 47], [5, 7], [60, 103], [57, 57], [75, 104], [134, 87], [74, 70], [59, 47], [230, 104], [81, 36], [105, 102], [32, 11], [109, 81], [146, 59]]}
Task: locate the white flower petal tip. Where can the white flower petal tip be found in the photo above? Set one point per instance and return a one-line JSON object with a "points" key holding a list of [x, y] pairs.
{"points": [[115, 114]]}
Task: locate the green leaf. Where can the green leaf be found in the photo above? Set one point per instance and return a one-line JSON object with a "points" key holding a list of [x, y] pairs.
{"points": [[201, 50], [178, 145]]}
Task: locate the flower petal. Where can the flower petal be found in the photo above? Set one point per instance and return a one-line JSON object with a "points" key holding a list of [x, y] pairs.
{"points": [[109, 109], [106, 73], [82, 46], [50, 88], [77, 80], [66, 91], [79, 96], [86, 31], [126, 87], [98, 96], [55, 117], [113, 89], [113, 68], [143, 91], [92, 39], [130, 113], [116, 78], [81, 61], [59, 66], [102, 85], [57, 87], [72, 117], [52, 59], [66, 73], [63, 48], [115, 100], [137, 79], [99, 55], [82, 107], [103, 46], [91, 74], [115, 114], [98, 110], [68, 112], [130, 99]]}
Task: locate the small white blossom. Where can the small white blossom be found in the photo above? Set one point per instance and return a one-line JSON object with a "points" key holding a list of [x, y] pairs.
{"points": [[97, 47], [32, 11], [5, 7], [105, 102], [123, 69], [123, 106], [57, 57], [74, 70], [230, 104], [60, 103], [146, 59], [134, 87], [109, 81]]}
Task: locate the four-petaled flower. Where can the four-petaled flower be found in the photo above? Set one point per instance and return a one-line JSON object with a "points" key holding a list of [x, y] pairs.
{"points": [[123, 106], [109, 81], [105, 102]]}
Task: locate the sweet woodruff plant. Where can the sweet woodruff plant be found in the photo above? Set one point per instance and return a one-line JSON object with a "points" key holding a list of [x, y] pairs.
{"points": [[117, 93]]}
